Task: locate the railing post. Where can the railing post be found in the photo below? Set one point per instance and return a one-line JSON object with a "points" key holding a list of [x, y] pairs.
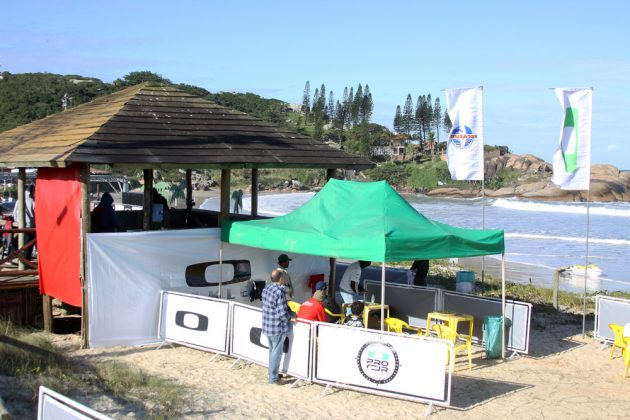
{"points": [[21, 181]]}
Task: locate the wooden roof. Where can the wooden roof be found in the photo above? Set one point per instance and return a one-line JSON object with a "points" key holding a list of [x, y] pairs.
{"points": [[151, 126]]}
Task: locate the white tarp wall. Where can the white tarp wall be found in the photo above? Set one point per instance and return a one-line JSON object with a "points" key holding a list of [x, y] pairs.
{"points": [[397, 365], [127, 272], [54, 406], [610, 310], [195, 321], [249, 343]]}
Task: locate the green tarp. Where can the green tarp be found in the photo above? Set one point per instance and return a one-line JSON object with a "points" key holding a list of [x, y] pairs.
{"points": [[363, 221]]}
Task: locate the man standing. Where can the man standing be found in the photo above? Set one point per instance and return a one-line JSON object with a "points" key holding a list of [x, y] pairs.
{"points": [[275, 322], [283, 264], [350, 281]]}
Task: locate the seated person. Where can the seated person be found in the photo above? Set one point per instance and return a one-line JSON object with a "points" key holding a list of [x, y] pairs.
{"points": [[328, 302], [355, 319], [313, 309]]}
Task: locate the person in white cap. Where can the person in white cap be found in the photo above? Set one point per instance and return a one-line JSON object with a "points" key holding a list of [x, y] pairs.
{"points": [[283, 264]]}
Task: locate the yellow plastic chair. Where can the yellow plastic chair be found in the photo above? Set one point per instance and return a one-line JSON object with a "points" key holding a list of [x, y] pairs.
{"points": [[294, 306], [619, 342], [444, 332], [398, 325], [623, 343], [341, 316]]}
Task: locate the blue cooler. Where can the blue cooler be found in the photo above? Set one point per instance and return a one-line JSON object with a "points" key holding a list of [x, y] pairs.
{"points": [[465, 281]]}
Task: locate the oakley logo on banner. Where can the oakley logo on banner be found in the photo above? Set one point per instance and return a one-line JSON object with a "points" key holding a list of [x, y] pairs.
{"points": [[191, 320], [378, 362], [195, 274], [462, 137]]}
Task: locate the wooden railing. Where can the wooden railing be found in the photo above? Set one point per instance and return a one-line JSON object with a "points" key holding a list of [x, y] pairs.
{"points": [[30, 267]]}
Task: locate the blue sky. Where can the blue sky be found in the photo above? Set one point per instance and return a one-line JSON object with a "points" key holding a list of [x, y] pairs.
{"points": [[516, 50]]}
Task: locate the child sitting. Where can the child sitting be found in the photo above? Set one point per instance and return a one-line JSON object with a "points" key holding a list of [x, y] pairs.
{"points": [[357, 313]]}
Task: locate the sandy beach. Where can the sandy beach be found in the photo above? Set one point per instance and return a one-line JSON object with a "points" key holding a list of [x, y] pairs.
{"points": [[564, 376]]}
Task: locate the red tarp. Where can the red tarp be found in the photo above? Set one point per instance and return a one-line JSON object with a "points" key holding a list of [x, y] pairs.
{"points": [[58, 221]]}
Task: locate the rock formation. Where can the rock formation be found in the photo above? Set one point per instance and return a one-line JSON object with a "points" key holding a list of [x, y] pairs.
{"points": [[607, 182]]}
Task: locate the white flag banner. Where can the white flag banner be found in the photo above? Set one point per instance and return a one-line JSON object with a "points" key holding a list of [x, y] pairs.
{"points": [[464, 150], [572, 160]]}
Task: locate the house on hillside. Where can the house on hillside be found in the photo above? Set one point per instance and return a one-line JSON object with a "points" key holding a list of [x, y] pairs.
{"points": [[395, 150]]}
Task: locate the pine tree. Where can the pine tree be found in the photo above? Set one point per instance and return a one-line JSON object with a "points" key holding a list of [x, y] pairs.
{"points": [[319, 103], [348, 106], [420, 106], [367, 106], [330, 111], [448, 125], [397, 119], [306, 101], [356, 105], [427, 116], [437, 117], [408, 119]]}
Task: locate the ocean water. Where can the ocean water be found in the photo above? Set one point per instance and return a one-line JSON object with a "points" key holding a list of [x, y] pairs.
{"points": [[539, 236]]}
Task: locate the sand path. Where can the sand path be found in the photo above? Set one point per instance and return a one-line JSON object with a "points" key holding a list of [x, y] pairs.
{"points": [[565, 376]]}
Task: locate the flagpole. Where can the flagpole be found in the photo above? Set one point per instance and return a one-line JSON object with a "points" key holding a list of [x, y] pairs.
{"points": [[588, 206], [483, 226]]}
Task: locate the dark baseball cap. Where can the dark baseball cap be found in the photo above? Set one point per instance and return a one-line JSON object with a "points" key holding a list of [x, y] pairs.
{"points": [[283, 258], [321, 285]]}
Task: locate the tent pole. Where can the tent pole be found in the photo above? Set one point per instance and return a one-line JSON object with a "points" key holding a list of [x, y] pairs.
{"points": [[84, 176], [189, 190], [254, 199], [332, 277], [382, 297], [588, 200], [220, 267], [225, 196], [147, 215], [503, 304]]}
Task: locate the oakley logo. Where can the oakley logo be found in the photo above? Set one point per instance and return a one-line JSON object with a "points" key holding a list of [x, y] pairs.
{"points": [[191, 320]]}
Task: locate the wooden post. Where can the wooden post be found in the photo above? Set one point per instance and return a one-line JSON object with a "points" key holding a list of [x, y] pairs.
{"points": [[556, 284], [85, 229], [254, 206], [189, 192], [148, 199], [225, 196], [21, 181], [330, 173], [47, 313]]}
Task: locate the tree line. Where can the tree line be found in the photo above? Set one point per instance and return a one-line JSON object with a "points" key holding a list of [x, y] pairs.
{"points": [[348, 120], [422, 122]]}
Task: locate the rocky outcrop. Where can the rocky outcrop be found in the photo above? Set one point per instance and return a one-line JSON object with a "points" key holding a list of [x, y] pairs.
{"points": [[608, 183]]}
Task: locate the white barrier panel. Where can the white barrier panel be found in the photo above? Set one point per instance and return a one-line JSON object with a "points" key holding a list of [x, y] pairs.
{"points": [[195, 321], [609, 310], [395, 365], [54, 406], [127, 271], [519, 314], [248, 342], [405, 301]]}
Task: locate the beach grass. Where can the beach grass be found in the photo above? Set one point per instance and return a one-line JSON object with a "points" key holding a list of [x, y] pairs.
{"points": [[29, 358]]}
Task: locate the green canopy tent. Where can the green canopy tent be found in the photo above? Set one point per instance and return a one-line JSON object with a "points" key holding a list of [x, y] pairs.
{"points": [[364, 221]]}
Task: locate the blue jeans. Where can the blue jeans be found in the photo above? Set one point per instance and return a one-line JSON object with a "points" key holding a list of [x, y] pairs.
{"points": [[276, 344], [347, 298]]}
